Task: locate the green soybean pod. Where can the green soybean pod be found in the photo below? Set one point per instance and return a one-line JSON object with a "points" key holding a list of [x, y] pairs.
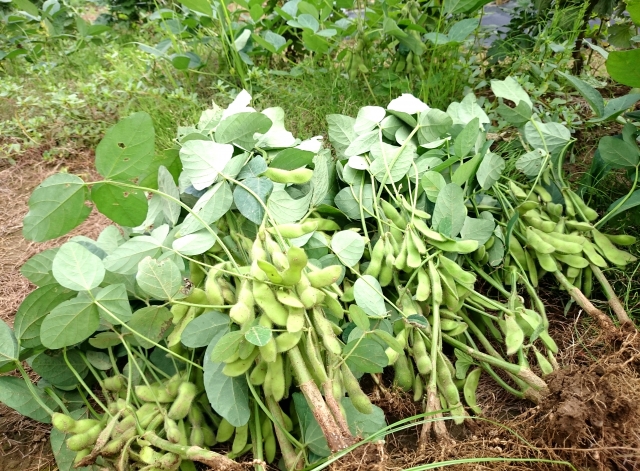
{"points": [[313, 357], [171, 429], [544, 364], [531, 268], [297, 176], [240, 439], [327, 276], [610, 251], [324, 225], [535, 242], [589, 213], [212, 289], [436, 287], [334, 306], [63, 422], [587, 281], [514, 336], [423, 290], [296, 319], [287, 340], [186, 394], [358, 398], [518, 192], [456, 271], [401, 258], [420, 355], [386, 272], [266, 299], [275, 378], [543, 193], [240, 366], [594, 257], [547, 262], [414, 259], [325, 331], [418, 242], [572, 260], [225, 431], [517, 251], [390, 212], [259, 373], [178, 311], [375, 265], [621, 239], [469, 390], [418, 389], [559, 244], [293, 230], [403, 376]]}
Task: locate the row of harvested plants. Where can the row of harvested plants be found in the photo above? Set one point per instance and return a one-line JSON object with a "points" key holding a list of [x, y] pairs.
{"points": [[255, 280]]}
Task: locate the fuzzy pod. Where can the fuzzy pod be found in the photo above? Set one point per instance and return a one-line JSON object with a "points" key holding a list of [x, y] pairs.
{"points": [[240, 366], [85, 439], [186, 394], [325, 277], [258, 374], [225, 431], [275, 378], [266, 299], [298, 176], [537, 243], [63, 422], [296, 319], [469, 389], [287, 340], [358, 398], [403, 377]]}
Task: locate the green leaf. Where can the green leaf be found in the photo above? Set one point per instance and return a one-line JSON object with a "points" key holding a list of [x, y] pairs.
{"points": [[362, 143], [160, 280], [434, 124], [125, 259], [477, 229], [516, 116], [465, 111], [254, 168], [166, 184], [239, 129], [463, 363], [450, 211], [105, 340], [200, 6], [28, 7], [320, 180], [359, 317], [210, 207], [258, 335], [15, 394], [205, 329], [195, 244], [368, 118], [52, 367], [152, 322], [490, 170], [124, 206], [466, 140], [9, 350], [38, 268], [55, 207], [203, 161], [531, 163], [617, 106], [312, 435], [465, 6], [290, 159], [510, 89], [466, 171], [348, 246], [631, 202], [365, 355], [114, 298], [247, 204], [285, 209], [341, 133], [226, 346], [368, 294], [462, 29], [550, 136], [76, 268], [363, 425], [352, 200], [593, 96], [33, 310], [229, 397], [99, 360], [127, 148], [618, 153], [69, 323], [65, 457], [391, 163], [432, 183]]}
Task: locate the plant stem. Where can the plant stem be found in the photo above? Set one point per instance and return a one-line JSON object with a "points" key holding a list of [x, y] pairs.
{"points": [[614, 301], [194, 453], [291, 459], [578, 296]]}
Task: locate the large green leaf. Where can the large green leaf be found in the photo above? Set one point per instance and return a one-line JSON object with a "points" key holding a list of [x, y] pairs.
{"points": [[320, 181], [618, 153], [631, 202], [125, 258], [552, 137], [124, 206], [290, 159], [195, 244], [434, 124], [170, 207], [200, 6], [362, 143], [348, 246], [159, 279], [203, 161], [465, 111], [55, 207], [127, 148], [391, 163], [477, 229], [432, 183], [9, 349], [589, 93], [152, 322], [205, 329], [210, 207], [33, 310], [617, 106], [466, 140], [15, 394], [450, 212], [51, 366], [510, 89], [490, 170], [69, 323], [341, 133], [27, 6], [76, 268], [356, 200], [228, 396], [247, 204], [531, 163], [114, 298], [623, 67], [464, 6], [365, 355], [239, 128], [38, 268], [286, 209], [368, 296]]}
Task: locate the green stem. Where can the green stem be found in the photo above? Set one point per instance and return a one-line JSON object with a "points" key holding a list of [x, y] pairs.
{"points": [[32, 390], [623, 201], [81, 381]]}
